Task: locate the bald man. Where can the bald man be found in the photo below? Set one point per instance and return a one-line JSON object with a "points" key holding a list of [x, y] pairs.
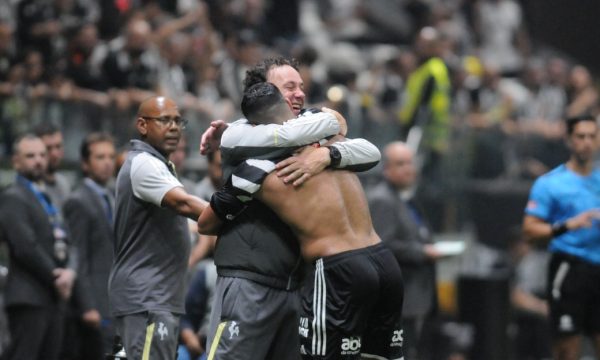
{"points": [[146, 286]]}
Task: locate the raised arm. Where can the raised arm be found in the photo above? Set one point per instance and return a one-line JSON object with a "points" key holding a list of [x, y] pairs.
{"points": [[304, 130]]}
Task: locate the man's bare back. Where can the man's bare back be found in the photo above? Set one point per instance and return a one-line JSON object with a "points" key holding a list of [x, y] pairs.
{"points": [[329, 214]]}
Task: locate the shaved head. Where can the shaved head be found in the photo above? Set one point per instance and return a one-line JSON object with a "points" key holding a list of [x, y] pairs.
{"points": [[158, 123], [398, 166], [154, 105]]}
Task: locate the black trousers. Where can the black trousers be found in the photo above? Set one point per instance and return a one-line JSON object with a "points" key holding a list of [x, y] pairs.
{"points": [[36, 333]]}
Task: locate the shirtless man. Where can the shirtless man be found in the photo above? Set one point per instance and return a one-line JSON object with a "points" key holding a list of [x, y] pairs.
{"points": [[351, 304]]}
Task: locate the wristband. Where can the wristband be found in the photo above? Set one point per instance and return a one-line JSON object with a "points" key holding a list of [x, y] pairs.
{"points": [[335, 156], [559, 228], [226, 205]]}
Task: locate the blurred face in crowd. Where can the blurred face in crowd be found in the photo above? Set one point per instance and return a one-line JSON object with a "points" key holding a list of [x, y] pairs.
{"points": [[580, 78], [399, 168], [214, 169], [178, 156], [34, 67], [159, 124], [137, 37], [100, 166], [87, 38], [30, 159], [583, 142], [56, 150], [289, 82], [6, 34]]}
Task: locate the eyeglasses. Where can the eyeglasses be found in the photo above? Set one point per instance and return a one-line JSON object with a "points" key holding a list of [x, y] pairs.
{"points": [[167, 122]]}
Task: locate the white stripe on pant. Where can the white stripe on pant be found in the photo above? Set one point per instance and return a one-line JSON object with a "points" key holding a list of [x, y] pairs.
{"points": [[319, 340]]}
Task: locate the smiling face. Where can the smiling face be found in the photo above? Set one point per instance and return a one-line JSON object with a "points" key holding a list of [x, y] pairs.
{"points": [[154, 126], [289, 82]]}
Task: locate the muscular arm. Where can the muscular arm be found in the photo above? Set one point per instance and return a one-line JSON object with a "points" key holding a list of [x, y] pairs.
{"points": [[183, 203], [295, 132], [208, 222], [356, 155]]}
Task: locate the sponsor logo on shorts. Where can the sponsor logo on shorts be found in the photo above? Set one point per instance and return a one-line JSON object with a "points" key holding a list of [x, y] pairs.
{"points": [[397, 338], [234, 329], [162, 331], [350, 346], [303, 328], [566, 323]]}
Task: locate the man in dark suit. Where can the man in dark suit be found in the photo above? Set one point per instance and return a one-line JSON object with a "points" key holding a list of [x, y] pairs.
{"points": [[39, 280], [401, 226], [89, 215]]}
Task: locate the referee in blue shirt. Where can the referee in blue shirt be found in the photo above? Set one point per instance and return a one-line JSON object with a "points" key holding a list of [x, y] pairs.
{"points": [[564, 207]]}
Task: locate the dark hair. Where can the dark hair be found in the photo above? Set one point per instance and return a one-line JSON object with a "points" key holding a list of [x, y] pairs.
{"points": [[258, 99], [258, 73], [45, 128], [89, 140], [572, 121]]}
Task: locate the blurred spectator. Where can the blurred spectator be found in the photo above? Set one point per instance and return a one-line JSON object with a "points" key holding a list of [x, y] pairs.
{"points": [[204, 190], [583, 96], [7, 55], [402, 227], [528, 300], [44, 24], [89, 216], [178, 158], [199, 298], [85, 56], [425, 117], [40, 273], [132, 65], [198, 303], [504, 43], [244, 49], [57, 184]]}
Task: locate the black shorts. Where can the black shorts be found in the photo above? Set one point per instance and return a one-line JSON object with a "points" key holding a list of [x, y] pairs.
{"points": [[352, 305], [574, 296]]}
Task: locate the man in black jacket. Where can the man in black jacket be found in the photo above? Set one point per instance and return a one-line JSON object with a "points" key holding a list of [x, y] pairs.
{"points": [[89, 215], [39, 280]]}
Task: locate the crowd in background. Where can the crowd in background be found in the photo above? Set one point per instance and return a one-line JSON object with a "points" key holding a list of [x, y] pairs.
{"points": [[85, 66]]}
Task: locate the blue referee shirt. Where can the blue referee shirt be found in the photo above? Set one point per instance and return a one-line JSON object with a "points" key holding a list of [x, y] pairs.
{"points": [[562, 194]]}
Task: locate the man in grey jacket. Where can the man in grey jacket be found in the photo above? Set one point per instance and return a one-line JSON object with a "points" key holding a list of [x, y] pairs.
{"points": [[147, 280]]}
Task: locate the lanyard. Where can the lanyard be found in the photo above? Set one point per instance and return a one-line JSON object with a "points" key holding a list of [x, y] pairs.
{"points": [[60, 245], [42, 198]]}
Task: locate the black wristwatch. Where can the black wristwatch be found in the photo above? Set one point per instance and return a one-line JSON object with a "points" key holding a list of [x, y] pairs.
{"points": [[335, 156]]}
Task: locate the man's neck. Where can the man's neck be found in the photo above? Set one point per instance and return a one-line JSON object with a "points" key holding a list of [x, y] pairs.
{"points": [[581, 168], [97, 182], [39, 183]]}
